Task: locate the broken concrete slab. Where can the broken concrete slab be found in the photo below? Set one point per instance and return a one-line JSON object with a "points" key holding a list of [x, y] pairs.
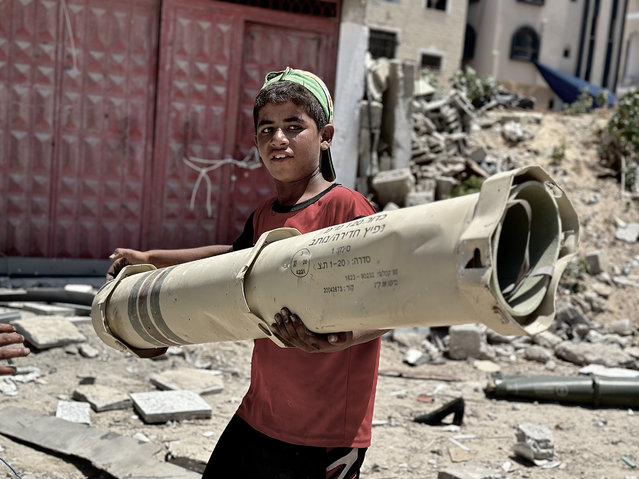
{"points": [[192, 453], [197, 380], [535, 442], [120, 456], [74, 411], [468, 472], [163, 406], [44, 332], [102, 398]]}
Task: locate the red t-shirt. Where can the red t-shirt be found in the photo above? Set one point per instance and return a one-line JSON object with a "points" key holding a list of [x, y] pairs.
{"points": [[313, 399]]}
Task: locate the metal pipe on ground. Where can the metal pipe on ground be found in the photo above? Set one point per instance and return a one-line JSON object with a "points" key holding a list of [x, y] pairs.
{"points": [[494, 257]]}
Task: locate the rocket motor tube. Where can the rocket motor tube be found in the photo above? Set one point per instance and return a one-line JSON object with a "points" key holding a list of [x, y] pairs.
{"points": [[493, 257]]}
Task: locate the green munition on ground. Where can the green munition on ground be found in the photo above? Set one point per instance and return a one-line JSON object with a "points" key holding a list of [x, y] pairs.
{"points": [[591, 389]]}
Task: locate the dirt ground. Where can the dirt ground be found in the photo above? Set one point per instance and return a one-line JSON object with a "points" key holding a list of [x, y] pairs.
{"points": [[589, 442]]}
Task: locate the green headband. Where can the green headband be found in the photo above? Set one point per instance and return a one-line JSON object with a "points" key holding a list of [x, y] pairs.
{"points": [[309, 81]]}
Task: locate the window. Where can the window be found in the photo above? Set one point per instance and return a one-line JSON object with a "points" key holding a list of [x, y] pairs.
{"points": [[382, 44], [431, 62], [525, 45], [436, 4], [469, 42], [534, 2]]}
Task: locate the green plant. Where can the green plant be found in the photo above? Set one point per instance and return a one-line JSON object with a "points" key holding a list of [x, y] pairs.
{"points": [[623, 127], [585, 102], [558, 153], [470, 185], [478, 90]]}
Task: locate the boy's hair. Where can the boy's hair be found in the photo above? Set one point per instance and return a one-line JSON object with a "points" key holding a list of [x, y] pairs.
{"points": [[283, 91]]}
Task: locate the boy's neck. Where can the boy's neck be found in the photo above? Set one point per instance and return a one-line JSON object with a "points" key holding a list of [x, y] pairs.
{"points": [[289, 194]]}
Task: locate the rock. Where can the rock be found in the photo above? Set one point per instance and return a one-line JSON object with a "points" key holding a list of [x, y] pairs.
{"points": [[535, 442], [465, 341], [586, 353]]}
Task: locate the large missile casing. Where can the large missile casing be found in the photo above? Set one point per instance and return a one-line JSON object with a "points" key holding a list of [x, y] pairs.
{"points": [[494, 257]]}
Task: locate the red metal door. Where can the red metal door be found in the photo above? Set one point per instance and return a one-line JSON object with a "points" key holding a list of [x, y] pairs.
{"points": [[112, 126], [213, 58], [77, 90]]}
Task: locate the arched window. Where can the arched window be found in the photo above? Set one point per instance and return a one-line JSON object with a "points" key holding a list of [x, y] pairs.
{"points": [[469, 42], [525, 45]]}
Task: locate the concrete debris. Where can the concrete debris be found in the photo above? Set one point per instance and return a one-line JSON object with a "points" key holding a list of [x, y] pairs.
{"points": [[102, 398], [99, 446], [398, 111], [162, 406], [535, 442], [74, 411], [196, 380], [44, 332]]}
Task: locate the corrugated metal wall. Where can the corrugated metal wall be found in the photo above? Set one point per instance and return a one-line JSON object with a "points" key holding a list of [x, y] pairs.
{"points": [[119, 130]]}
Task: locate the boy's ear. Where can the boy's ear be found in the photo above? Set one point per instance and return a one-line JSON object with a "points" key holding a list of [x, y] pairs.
{"points": [[327, 135]]}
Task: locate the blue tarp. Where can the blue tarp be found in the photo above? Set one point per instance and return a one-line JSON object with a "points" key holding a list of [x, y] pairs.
{"points": [[568, 87]]}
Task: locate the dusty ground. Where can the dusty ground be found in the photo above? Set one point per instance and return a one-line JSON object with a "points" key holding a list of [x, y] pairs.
{"points": [[589, 442]]}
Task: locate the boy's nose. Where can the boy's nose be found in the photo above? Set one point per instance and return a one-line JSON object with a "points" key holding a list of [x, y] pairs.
{"points": [[279, 136]]}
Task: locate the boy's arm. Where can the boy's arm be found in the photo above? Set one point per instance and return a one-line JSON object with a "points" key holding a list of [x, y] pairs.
{"points": [[291, 330], [161, 258]]}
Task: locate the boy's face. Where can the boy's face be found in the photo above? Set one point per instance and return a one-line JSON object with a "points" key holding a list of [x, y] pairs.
{"points": [[288, 141]]}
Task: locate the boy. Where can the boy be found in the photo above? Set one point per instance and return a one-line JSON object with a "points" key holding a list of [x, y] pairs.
{"points": [[309, 408]]}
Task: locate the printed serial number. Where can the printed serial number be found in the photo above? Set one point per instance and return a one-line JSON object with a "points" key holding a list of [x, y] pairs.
{"points": [[347, 288]]}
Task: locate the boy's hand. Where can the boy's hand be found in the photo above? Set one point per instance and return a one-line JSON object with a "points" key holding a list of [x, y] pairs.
{"points": [[8, 336], [123, 257], [289, 328]]}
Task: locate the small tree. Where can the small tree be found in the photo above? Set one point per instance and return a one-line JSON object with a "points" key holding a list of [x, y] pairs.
{"points": [[624, 128]]}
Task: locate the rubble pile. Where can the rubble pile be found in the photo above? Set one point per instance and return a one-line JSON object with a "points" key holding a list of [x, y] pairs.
{"points": [[440, 125]]}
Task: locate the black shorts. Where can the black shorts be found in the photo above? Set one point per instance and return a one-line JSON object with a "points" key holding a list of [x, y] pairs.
{"points": [[242, 452]]}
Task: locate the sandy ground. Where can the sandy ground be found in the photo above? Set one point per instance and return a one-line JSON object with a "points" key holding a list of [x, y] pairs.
{"points": [[589, 442]]}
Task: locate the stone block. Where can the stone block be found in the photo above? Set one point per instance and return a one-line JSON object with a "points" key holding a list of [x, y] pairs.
{"points": [[163, 406], [596, 262], [197, 380], [74, 411], [465, 341], [45, 332], [393, 185]]}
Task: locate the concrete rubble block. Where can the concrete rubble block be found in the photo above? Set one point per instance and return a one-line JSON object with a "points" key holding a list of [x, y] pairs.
{"points": [[465, 341], [622, 327], [610, 355], [547, 339], [119, 456], [535, 442], [469, 472], [444, 186], [197, 380], [628, 232], [596, 262], [393, 185], [538, 354], [162, 406], [74, 411], [44, 309], [371, 114], [102, 398], [44, 332], [424, 196], [192, 453]]}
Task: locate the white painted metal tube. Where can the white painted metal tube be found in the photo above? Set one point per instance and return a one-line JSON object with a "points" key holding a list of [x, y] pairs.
{"points": [[494, 257]]}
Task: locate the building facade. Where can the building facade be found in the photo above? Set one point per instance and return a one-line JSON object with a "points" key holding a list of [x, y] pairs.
{"points": [[427, 32], [582, 38]]}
